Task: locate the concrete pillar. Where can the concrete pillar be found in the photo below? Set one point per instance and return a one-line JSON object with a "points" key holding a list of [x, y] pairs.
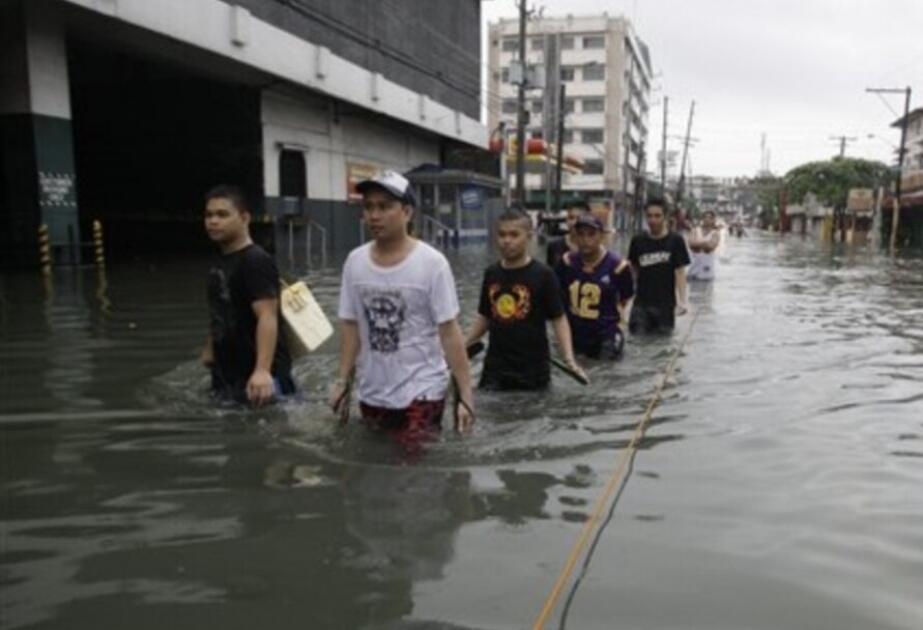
{"points": [[37, 171]]}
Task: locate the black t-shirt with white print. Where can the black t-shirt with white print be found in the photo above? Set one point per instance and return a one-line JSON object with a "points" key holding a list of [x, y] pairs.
{"points": [[656, 261]]}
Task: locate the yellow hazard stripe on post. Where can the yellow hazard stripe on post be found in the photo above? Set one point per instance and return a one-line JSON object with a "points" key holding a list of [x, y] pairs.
{"points": [[44, 249]]}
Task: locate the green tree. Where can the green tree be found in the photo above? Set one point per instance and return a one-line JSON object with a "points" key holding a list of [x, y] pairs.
{"points": [[831, 180]]}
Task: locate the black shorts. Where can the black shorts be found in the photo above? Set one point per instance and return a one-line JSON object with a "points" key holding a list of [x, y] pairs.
{"points": [[495, 381], [652, 319], [609, 349]]}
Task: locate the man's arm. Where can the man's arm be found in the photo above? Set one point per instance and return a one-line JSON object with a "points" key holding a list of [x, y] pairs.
{"points": [[453, 346], [349, 351], [565, 343], [478, 329], [260, 387], [207, 356], [680, 275]]}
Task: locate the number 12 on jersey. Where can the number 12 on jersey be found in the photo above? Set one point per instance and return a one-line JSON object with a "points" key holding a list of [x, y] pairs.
{"points": [[584, 299]]}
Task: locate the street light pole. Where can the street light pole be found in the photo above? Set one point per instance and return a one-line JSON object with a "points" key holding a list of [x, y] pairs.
{"points": [[896, 212], [521, 111]]}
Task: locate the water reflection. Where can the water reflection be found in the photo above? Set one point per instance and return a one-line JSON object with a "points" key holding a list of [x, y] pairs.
{"points": [[780, 473]]}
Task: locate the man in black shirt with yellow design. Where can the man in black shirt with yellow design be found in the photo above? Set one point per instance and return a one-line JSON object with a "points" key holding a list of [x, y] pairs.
{"points": [[249, 360], [518, 296]]}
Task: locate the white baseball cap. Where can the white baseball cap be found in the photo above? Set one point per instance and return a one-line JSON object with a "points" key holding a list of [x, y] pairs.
{"points": [[391, 182]]}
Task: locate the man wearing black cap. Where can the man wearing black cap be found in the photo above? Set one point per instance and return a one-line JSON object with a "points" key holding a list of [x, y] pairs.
{"points": [[398, 311], [598, 288]]}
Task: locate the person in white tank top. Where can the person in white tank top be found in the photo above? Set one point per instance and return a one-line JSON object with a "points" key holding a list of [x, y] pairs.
{"points": [[703, 242]]}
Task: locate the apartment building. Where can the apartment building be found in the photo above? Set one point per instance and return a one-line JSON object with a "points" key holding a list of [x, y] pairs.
{"points": [[606, 70]]}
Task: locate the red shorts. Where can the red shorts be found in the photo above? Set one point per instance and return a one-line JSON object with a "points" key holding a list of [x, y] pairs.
{"points": [[411, 427]]}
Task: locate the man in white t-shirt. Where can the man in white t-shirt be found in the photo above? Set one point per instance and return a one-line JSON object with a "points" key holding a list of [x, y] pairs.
{"points": [[399, 318]]}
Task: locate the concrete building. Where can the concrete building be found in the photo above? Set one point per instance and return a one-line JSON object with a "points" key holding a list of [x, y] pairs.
{"points": [[128, 110], [911, 221], [606, 70]]}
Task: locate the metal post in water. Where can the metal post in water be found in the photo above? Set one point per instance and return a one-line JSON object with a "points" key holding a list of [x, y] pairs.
{"points": [[99, 252], [44, 249], [291, 243], [308, 231]]}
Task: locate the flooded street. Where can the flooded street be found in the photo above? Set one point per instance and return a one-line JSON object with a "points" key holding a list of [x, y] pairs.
{"points": [[780, 484]]}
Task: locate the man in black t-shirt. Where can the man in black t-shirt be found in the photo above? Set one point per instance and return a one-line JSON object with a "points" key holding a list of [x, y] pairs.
{"points": [[518, 296], [248, 357], [659, 260]]}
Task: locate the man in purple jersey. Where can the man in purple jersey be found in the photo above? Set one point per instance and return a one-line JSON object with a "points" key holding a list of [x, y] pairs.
{"points": [[598, 288]]}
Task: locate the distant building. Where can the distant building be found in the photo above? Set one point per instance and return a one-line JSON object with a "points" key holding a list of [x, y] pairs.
{"points": [[606, 69]]}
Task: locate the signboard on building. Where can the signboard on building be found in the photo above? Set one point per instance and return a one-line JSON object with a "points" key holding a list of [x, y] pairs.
{"points": [[471, 198], [355, 173], [912, 180], [860, 200]]}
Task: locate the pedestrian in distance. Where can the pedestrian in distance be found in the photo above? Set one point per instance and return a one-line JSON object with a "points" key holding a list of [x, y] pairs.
{"points": [[519, 295], [659, 259], [560, 246], [248, 358], [598, 288], [398, 315], [703, 241]]}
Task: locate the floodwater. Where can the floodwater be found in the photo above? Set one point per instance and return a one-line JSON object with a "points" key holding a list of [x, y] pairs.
{"points": [[780, 484]]}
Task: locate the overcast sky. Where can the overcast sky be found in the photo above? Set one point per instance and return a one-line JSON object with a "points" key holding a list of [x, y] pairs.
{"points": [[794, 69]]}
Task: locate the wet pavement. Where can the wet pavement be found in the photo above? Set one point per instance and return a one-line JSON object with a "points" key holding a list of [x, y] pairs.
{"points": [[779, 484]]}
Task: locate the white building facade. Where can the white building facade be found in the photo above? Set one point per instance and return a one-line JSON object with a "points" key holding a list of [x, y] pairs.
{"points": [[606, 70]]}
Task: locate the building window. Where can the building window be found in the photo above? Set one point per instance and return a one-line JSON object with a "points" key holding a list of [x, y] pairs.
{"points": [[537, 107], [594, 41], [593, 105], [569, 105], [293, 178], [567, 73], [592, 136], [593, 167], [568, 136], [509, 106], [538, 43], [510, 45], [567, 42], [505, 75], [594, 72]]}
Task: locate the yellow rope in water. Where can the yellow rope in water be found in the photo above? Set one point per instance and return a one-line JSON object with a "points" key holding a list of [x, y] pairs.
{"points": [[614, 482]]}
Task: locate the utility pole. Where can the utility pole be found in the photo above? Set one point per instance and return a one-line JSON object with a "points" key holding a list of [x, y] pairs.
{"points": [[640, 190], [896, 211], [682, 169], [663, 150], [521, 110], [560, 147], [843, 140]]}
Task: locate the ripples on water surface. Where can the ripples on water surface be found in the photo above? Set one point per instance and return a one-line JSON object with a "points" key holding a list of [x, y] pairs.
{"points": [[779, 485]]}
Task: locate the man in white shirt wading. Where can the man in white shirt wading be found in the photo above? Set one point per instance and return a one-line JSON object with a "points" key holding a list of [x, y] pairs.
{"points": [[398, 313]]}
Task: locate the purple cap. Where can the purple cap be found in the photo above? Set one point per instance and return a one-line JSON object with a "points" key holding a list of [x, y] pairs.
{"points": [[590, 221]]}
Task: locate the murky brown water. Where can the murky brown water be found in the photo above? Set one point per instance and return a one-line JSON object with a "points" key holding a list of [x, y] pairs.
{"points": [[779, 485]]}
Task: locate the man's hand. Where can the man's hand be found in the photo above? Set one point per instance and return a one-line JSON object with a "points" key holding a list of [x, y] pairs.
{"points": [[207, 356], [339, 399], [681, 309], [571, 362], [260, 387], [464, 417]]}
